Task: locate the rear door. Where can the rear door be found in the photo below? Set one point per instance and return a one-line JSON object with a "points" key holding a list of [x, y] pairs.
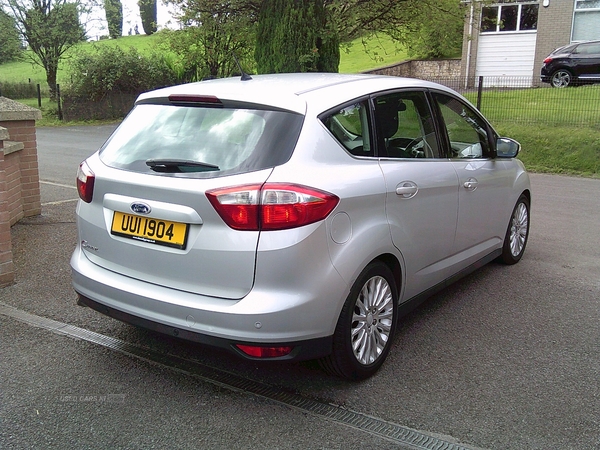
{"points": [[421, 187]]}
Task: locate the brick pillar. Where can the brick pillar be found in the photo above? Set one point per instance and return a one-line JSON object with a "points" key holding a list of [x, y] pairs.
{"points": [[7, 270], [19, 175]]}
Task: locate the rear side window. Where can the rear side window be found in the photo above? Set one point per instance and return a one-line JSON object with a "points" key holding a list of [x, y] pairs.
{"points": [[207, 142], [588, 49], [350, 126]]}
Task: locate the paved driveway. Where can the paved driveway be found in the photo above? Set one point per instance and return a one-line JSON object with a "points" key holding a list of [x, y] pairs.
{"points": [[507, 358]]}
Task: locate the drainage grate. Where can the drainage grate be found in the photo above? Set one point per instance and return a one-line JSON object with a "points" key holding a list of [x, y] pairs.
{"points": [[378, 427]]}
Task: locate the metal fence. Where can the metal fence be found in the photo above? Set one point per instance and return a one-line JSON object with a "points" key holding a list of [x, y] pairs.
{"points": [[523, 100], [512, 100]]}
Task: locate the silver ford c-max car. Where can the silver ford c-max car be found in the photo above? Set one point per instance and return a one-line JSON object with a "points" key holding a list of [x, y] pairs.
{"points": [[294, 216]]}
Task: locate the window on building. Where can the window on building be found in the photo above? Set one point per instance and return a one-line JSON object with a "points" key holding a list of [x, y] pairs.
{"points": [[510, 17], [586, 20]]}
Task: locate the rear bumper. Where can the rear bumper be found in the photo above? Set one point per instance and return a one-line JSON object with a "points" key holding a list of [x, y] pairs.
{"points": [[302, 350], [281, 316]]}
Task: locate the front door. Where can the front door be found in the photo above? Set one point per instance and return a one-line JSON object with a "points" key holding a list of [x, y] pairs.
{"points": [[484, 185]]}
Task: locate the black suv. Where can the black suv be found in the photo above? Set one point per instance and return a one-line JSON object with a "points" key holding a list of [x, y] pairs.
{"points": [[572, 64]]}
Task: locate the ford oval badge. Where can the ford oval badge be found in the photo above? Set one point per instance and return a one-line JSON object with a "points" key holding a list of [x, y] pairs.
{"points": [[140, 208]]}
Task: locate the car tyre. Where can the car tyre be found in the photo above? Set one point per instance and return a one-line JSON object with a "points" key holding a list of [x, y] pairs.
{"points": [[561, 78], [366, 326], [517, 233]]}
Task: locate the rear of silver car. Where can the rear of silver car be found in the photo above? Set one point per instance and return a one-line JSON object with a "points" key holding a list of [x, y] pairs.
{"points": [[289, 225], [169, 228]]}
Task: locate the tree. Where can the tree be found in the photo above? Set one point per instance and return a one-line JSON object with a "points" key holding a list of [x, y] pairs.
{"points": [[295, 36], [307, 33], [114, 17], [148, 15], [436, 36], [50, 28], [215, 33], [9, 36], [428, 28]]}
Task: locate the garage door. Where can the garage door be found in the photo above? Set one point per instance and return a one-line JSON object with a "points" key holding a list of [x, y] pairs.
{"points": [[505, 55]]}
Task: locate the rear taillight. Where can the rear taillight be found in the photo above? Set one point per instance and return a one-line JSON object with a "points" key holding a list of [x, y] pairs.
{"points": [[273, 206], [547, 60], [85, 182]]}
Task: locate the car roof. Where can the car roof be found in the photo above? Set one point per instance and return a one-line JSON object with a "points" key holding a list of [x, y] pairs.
{"points": [[292, 91]]}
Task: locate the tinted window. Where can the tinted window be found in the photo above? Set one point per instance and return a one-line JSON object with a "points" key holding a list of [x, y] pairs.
{"points": [[529, 16], [467, 132], [227, 140], [508, 18], [489, 18], [588, 49], [350, 126], [404, 126]]}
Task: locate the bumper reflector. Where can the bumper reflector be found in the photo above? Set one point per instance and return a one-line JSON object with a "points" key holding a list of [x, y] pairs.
{"points": [[265, 352]]}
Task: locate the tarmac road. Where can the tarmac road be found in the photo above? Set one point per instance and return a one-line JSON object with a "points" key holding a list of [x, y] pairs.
{"points": [[507, 358]]}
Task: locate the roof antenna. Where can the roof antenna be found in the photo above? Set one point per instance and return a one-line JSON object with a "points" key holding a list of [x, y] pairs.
{"points": [[245, 76]]}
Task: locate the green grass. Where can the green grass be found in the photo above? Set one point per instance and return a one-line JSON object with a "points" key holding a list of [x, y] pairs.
{"points": [[557, 149], [559, 129], [543, 105], [24, 71], [381, 51]]}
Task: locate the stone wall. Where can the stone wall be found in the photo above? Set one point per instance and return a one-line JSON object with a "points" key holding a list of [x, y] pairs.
{"points": [[425, 70], [19, 175]]}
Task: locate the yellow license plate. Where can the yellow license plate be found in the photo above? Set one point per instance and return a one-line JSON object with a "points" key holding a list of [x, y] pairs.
{"points": [[147, 229]]}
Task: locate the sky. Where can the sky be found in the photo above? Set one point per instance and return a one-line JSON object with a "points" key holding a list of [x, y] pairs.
{"points": [[96, 24]]}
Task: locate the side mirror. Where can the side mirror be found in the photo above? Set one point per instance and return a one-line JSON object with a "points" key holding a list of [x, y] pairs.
{"points": [[507, 148]]}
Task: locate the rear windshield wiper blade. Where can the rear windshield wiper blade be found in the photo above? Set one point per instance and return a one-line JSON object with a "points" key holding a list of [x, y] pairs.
{"points": [[179, 165]]}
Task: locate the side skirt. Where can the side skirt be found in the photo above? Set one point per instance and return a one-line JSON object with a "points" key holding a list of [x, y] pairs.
{"points": [[412, 303]]}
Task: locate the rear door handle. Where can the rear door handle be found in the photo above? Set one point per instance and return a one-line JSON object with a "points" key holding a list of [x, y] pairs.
{"points": [[407, 189]]}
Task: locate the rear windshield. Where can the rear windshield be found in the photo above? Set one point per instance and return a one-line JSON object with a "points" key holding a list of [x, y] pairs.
{"points": [[201, 141]]}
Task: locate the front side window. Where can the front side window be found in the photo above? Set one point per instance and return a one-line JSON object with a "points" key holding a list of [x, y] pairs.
{"points": [[207, 141], [467, 132], [404, 126]]}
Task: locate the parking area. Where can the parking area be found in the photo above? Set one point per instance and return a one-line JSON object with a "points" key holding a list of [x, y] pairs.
{"points": [[507, 358]]}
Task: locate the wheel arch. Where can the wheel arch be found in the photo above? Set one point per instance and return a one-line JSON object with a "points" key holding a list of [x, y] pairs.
{"points": [[527, 193], [394, 265]]}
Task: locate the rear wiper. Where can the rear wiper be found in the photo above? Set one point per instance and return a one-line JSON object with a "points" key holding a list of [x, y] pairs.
{"points": [[179, 165]]}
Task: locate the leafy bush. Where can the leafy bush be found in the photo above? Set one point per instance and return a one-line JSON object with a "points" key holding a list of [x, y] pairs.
{"points": [[108, 70], [17, 91], [106, 81]]}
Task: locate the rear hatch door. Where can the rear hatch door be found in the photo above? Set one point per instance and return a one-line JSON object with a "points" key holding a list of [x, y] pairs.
{"points": [[150, 218]]}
